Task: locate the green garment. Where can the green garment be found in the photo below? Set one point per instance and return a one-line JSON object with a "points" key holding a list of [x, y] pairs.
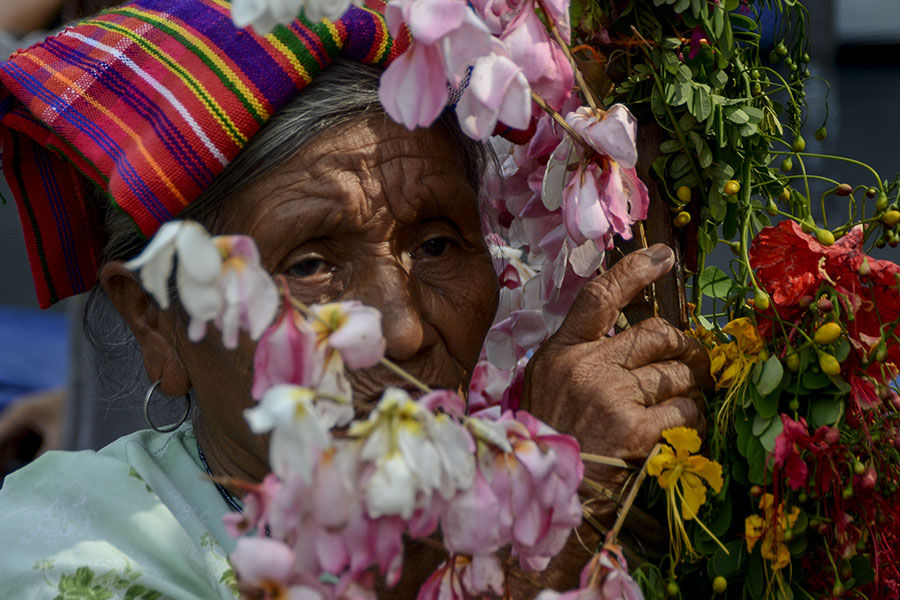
{"points": [[136, 520]]}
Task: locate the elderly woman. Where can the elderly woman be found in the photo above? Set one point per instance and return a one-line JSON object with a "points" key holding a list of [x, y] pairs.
{"points": [[163, 108]]}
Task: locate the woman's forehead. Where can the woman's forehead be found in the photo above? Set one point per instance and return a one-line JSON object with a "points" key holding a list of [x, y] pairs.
{"points": [[360, 172]]}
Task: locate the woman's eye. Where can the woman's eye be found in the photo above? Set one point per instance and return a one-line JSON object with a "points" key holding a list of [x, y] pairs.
{"points": [[308, 267], [436, 247]]}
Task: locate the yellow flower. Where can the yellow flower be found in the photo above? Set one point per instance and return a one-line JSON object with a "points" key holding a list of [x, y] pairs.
{"points": [[771, 528], [685, 477], [730, 364]]}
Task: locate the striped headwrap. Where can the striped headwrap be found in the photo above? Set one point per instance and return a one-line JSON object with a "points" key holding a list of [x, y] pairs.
{"points": [[149, 102]]}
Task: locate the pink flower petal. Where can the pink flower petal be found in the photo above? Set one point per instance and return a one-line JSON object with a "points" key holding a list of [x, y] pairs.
{"points": [[258, 559], [413, 89]]}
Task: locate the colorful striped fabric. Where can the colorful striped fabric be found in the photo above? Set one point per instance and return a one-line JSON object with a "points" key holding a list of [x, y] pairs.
{"points": [[149, 102]]}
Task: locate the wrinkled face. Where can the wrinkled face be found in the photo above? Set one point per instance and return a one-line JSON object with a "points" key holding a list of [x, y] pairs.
{"points": [[370, 212]]}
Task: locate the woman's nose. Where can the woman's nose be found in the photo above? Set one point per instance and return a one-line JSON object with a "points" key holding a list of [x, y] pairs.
{"points": [[396, 294]]}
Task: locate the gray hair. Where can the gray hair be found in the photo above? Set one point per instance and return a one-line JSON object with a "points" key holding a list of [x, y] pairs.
{"points": [[345, 91]]}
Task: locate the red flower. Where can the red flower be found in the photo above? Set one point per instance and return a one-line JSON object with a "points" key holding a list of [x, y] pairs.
{"points": [[791, 264], [793, 438]]}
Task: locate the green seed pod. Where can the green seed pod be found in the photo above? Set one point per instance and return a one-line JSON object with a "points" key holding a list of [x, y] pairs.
{"points": [[825, 237]]}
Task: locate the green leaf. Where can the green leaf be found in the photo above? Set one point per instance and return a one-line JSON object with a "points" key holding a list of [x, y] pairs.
{"points": [[718, 79], [659, 166], [736, 115], [843, 349], [756, 575], [812, 380], [679, 166], [731, 563], [739, 20], [766, 406], [756, 459], [715, 283], [717, 205], [684, 93], [670, 62], [862, 570], [657, 104], [825, 410], [670, 43], [717, 518], [718, 21], [743, 427], [669, 146], [707, 237], [797, 546], [755, 114], [702, 105], [760, 424], [726, 44], [739, 473], [840, 383], [689, 180], [771, 375], [767, 438], [687, 122], [801, 523]]}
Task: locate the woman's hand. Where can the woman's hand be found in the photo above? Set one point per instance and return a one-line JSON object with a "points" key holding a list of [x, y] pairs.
{"points": [[616, 394]]}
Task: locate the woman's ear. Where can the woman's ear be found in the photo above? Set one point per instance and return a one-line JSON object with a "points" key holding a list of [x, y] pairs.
{"points": [[154, 329]]}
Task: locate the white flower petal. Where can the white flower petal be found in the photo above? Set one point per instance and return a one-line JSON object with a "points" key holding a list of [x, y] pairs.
{"points": [[391, 490], [197, 253]]}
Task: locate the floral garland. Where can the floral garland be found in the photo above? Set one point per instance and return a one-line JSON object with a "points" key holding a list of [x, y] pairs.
{"points": [[792, 495]]}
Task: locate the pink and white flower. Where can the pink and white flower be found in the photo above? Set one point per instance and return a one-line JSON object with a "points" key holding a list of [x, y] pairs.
{"points": [[264, 15], [612, 133], [249, 296], [447, 38], [602, 201], [298, 435], [604, 577], [286, 353], [536, 484], [199, 266], [497, 91], [542, 60], [464, 577], [351, 329], [413, 454]]}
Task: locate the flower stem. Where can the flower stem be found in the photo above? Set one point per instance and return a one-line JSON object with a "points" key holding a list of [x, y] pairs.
{"points": [[397, 369], [588, 93], [632, 494], [642, 236], [561, 121], [606, 460]]}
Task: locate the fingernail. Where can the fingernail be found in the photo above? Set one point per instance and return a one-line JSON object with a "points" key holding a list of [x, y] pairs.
{"points": [[658, 253]]}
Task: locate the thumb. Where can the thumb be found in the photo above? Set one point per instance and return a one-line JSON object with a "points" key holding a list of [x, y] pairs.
{"points": [[598, 305]]}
